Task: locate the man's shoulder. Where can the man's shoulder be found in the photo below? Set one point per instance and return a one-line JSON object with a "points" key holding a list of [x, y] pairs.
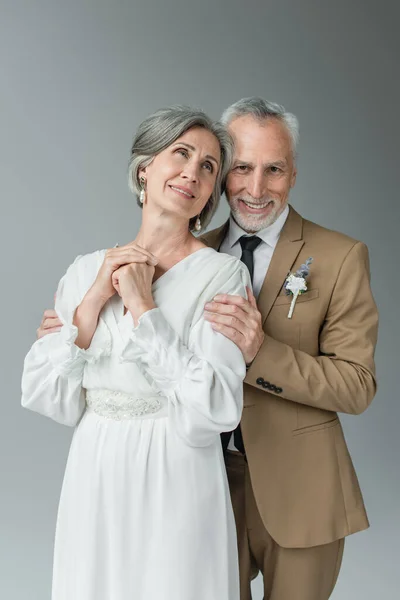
{"points": [[331, 240], [214, 237]]}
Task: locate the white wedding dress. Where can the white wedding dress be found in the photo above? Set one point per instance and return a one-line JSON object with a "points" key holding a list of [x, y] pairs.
{"points": [[145, 512]]}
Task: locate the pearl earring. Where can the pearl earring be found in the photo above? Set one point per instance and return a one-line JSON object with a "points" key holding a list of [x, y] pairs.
{"points": [[142, 196], [197, 224]]}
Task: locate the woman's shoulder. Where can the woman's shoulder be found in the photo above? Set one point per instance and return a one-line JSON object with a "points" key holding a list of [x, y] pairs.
{"points": [[88, 263], [226, 262], [224, 271]]}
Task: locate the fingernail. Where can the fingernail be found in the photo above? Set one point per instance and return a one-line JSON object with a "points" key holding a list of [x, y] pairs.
{"points": [[218, 297]]}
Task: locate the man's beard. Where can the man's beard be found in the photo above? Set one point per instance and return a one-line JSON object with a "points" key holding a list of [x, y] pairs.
{"points": [[254, 223]]}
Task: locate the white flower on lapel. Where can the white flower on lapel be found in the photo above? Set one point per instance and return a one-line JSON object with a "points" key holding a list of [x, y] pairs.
{"points": [[296, 284]]}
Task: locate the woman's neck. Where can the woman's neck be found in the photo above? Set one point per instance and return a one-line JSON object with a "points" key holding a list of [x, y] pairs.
{"points": [[166, 237]]}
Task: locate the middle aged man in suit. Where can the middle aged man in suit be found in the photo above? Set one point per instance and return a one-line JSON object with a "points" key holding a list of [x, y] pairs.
{"points": [[294, 489]]}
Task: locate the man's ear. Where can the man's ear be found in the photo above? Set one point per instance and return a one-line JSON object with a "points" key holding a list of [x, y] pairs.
{"points": [[293, 179]]}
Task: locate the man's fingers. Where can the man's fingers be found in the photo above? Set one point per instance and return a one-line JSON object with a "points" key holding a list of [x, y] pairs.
{"points": [[238, 309], [50, 323], [229, 332], [49, 314], [232, 321], [251, 297], [231, 300], [43, 332]]}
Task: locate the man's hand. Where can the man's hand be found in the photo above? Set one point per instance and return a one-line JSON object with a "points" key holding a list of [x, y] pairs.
{"points": [[50, 324], [239, 320]]}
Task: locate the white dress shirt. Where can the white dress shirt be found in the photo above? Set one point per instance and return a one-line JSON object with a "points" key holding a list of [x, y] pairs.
{"points": [[264, 251], [262, 256]]}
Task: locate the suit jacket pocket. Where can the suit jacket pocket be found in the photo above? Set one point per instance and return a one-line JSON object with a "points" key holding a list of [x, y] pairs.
{"points": [[317, 427], [310, 295]]}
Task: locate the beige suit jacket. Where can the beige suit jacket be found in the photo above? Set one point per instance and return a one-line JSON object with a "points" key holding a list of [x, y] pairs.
{"points": [[309, 367]]}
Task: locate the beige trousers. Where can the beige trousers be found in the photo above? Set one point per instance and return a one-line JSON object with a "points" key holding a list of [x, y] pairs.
{"points": [[288, 573]]}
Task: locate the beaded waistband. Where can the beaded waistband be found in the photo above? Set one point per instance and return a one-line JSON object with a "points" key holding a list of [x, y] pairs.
{"points": [[119, 406]]}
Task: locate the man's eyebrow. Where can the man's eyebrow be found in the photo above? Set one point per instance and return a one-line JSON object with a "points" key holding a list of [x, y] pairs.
{"points": [[276, 163], [246, 163], [193, 148]]}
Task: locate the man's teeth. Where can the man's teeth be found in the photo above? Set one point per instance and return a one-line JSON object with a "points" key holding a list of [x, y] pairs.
{"points": [[263, 205], [181, 191]]}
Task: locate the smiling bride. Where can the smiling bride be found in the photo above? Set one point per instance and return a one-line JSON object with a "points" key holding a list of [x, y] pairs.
{"points": [[145, 511]]}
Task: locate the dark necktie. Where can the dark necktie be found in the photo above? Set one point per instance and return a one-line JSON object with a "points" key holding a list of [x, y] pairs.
{"points": [[248, 244]]}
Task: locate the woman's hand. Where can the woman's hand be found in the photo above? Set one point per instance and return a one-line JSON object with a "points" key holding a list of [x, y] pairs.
{"points": [[133, 283], [115, 258]]}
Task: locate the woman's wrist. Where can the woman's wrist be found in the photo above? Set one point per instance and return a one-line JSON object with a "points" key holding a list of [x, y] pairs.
{"points": [[140, 308], [86, 318]]}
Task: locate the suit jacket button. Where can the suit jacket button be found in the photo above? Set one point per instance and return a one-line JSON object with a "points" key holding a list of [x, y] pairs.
{"points": [[266, 385], [279, 390], [259, 381], [273, 387]]}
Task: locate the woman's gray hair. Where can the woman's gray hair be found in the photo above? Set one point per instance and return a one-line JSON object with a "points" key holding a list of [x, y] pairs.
{"points": [[163, 128], [262, 109]]}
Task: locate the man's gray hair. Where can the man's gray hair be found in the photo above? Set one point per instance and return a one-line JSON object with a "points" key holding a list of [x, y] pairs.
{"points": [[163, 128], [261, 109]]}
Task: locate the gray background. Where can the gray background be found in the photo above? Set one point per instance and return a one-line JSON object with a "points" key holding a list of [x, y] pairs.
{"points": [[76, 79]]}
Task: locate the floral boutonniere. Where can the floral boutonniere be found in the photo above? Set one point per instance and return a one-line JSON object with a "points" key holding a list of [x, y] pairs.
{"points": [[296, 284]]}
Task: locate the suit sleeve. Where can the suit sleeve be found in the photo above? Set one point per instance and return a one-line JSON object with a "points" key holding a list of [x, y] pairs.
{"points": [[342, 377]]}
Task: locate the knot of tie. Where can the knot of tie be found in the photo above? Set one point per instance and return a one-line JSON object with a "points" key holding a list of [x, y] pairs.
{"points": [[249, 243]]}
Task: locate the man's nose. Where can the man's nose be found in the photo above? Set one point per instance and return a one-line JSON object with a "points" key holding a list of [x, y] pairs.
{"points": [[256, 186]]}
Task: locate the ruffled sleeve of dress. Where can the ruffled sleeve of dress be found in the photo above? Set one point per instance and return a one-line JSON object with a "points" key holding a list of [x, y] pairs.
{"points": [[54, 366], [203, 380]]}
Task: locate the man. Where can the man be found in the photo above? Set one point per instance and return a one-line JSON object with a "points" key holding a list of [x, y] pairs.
{"points": [[294, 490]]}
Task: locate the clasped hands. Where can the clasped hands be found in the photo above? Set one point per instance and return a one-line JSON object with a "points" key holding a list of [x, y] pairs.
{"points": [[129, 271], [126, 270]]}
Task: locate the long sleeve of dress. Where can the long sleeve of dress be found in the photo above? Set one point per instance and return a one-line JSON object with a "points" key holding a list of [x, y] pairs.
{"points": [[53, 368], [203, 380]]}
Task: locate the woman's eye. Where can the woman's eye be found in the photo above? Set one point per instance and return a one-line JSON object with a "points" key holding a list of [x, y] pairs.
{"points": [[209, 167], [183, 152]]}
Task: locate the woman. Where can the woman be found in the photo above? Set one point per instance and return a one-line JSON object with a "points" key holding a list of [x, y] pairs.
{"points": [[145, 511]]}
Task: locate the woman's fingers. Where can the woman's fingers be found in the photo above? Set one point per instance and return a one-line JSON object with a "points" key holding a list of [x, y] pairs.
{"points": [[132, 253]]}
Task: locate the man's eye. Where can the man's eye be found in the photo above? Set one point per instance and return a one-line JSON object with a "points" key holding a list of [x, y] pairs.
{"points": [[275, 169], [241, 168]]}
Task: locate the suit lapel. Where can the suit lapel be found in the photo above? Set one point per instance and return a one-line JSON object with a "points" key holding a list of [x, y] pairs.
{"points": [[214, 238], [287, 249]]}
